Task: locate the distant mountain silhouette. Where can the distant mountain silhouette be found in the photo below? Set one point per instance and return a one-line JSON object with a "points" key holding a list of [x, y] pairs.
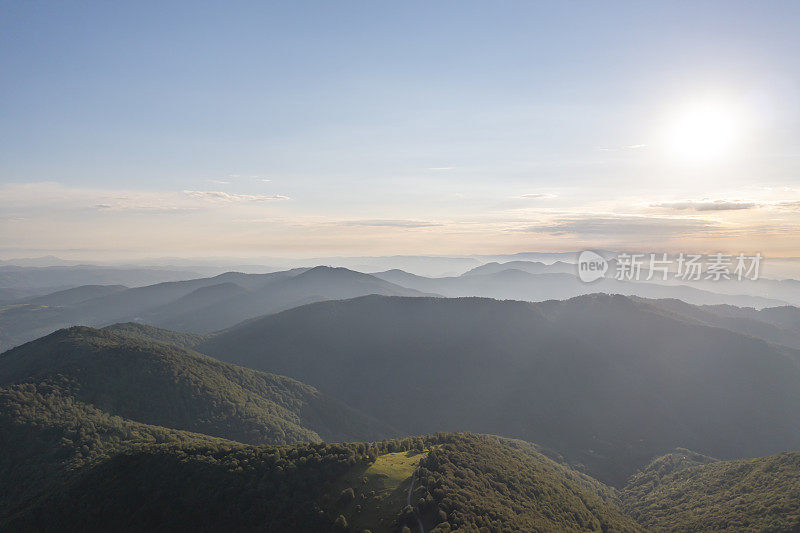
{"points": [[75, 295], [535, 282], [780, 325], [73, 275], [199, 306], [531, 267]]}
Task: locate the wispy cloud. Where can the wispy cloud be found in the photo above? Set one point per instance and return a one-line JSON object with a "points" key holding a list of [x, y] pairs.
{"points": [[441, 168], [220, 196], [623, 226], [708, 205], [622, 148], [538, 195], [391, 223]]}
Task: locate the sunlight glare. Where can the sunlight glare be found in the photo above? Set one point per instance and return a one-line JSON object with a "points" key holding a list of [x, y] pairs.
{"points": [[704, 133]]}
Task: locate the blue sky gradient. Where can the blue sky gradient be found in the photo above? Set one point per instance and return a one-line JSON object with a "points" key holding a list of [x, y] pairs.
{"points": [[390, 127]]}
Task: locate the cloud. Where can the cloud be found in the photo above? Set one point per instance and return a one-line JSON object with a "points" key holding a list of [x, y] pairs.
{"points": [[708, 205], [795, 205], [628, 147], [391, 223], [221, 182], [624, 226], [441, 168], [220, 196], [538, 195], [48, 198]]}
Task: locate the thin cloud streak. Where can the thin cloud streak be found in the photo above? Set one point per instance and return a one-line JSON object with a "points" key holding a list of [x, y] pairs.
{"points": [[391, 223], [232, 197], [712, 205], [540, 195], [624, 226]]}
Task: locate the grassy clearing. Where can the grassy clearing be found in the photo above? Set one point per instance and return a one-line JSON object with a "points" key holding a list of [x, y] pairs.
{"points": [[379, 491]]}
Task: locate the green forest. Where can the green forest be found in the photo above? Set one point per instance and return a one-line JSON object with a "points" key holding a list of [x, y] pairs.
{"points": [[129, 428]]}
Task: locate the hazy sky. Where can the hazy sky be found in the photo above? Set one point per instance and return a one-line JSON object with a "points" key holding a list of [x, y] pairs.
{"points": [[370, 128]]}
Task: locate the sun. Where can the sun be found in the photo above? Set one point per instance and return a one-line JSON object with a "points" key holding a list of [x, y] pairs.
{"points": [[704, 132]]}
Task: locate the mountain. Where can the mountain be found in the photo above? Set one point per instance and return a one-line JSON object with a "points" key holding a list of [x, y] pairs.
{"points": [[214, 308], [684, 491], [165, 385], [479, 481], [531, 267], [780, 325], [64, 277], [154, 334], [75, 295], [520, 284], [48, 437], [454, 482], [605, 380], [785, 290], [12, 294], [112, 429], [199, 305], [43, 261]]}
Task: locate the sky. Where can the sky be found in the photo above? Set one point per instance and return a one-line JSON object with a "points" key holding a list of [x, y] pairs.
{"points": [[302, 129]]}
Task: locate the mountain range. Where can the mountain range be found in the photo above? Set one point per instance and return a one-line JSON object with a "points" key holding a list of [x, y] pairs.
{"points": [[132, 427], [606, 380], [205, 305], [199, 305]]}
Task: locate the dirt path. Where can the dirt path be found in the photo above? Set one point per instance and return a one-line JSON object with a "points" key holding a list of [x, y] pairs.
{"points": [[408, 501]]}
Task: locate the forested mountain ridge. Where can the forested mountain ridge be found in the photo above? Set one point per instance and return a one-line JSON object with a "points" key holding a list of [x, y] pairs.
{"points": [[82, 451], [683, 491], [48, 437], [165, 385], [461, 482], [153, 334], [780, 325], [606, 380]]}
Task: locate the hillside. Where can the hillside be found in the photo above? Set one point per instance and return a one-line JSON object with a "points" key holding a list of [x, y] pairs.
{"points": [[113, 430], [75, 295], [463, 480], [151, 333], [165, 385], [47, 437], [780, 325], [683, 492], [476, 481], [607, 381]]}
